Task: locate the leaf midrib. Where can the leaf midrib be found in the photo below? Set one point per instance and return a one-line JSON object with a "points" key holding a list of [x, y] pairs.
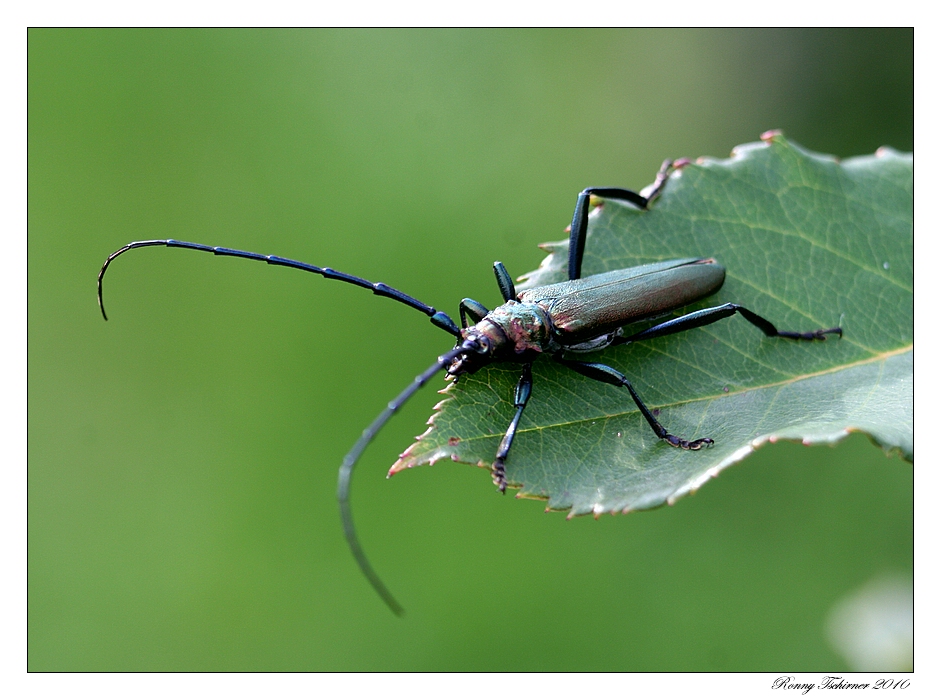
{"points": [[830, 370]]}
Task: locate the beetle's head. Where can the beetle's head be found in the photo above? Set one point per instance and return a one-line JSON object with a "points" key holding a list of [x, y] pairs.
{"points": [[479, 348], [513, 332]]}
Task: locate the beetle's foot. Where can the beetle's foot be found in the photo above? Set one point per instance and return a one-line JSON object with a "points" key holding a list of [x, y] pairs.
{"points": [[812, 335], [688, 444], [499, 475], [822, 334]]}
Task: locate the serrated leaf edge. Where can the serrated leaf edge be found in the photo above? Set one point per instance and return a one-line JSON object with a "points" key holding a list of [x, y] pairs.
{"points": [[406, 461]]}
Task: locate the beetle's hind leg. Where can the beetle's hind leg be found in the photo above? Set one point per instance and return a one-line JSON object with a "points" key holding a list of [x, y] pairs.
{"points": [[579, 228], [704, 317], [523, 391], [609, 375]]}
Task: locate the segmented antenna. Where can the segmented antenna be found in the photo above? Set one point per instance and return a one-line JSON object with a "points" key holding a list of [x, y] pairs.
{"points": [[438, 318], [346, 469]]}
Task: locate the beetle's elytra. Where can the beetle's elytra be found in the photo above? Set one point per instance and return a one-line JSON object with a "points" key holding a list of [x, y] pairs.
{"points": [[582, 314]]}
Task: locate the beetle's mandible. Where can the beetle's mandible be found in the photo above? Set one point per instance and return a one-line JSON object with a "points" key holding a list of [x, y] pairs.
{"points": [[583, 314]]}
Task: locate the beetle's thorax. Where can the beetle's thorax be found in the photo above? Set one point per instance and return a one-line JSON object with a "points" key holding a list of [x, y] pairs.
{"points": [[513, 332]]}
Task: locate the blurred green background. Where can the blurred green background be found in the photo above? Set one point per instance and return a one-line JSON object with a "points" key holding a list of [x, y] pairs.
{"points": [[183, 456]]}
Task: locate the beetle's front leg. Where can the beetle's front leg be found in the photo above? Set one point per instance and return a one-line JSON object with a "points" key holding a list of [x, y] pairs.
{"points": [[523, 390], [609, 375], [472, 309]]}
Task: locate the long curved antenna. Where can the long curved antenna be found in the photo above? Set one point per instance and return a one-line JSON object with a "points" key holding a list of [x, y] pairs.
{"points": [[438, 318], [346, 469]]}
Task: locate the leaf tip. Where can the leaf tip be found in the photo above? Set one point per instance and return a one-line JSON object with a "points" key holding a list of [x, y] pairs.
{"points": [[771, 134]]}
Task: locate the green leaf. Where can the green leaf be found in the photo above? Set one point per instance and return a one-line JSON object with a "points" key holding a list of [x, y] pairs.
{"points": [[808, 242]]}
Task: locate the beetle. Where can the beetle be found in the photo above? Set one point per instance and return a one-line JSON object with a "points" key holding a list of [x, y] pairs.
{"points": [[582, 314]]}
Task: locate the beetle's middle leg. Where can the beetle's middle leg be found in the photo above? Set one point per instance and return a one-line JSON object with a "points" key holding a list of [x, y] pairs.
{"points": [[609, 375], [523, 390], [579, 228]]}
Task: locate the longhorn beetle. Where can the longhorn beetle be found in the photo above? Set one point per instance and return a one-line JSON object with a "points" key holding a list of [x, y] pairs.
{"points": [[583, 314]]}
